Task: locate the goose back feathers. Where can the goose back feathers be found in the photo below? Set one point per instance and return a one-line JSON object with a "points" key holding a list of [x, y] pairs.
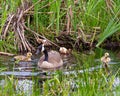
{"points": [[50, 59]]}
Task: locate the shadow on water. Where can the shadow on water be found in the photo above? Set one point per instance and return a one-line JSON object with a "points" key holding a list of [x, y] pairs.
{"points": [[24, 72]]}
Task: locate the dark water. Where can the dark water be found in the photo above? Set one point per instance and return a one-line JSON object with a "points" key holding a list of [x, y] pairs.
{"points": [[25, 71]]}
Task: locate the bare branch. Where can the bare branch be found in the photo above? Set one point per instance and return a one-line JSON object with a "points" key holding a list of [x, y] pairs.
{"points": [[6, 29], [40, 36], [31, 6]]}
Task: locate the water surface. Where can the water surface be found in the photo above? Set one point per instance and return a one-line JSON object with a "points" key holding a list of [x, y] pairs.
{"points": [[24, 72]]}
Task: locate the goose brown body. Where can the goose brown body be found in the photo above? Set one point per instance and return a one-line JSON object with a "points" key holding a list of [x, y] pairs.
{"points": [[50, 59], [54, 60]]}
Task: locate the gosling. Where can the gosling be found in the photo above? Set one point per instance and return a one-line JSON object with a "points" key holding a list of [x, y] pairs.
{"points": [[23, 58], [105, 59], [64, 50]]}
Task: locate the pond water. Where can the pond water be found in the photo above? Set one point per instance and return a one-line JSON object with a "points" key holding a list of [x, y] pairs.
{"points": [[25, 71]]}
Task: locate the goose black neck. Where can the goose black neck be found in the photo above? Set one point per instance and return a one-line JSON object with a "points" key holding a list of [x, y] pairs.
{"points": [[46, 55]]}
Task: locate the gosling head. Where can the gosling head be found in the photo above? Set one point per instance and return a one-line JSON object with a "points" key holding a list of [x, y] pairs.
{"points": [[63, 50], [40, 48], [106, 54], [29, 54]]}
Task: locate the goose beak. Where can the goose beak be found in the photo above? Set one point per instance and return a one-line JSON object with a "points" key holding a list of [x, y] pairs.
{"points": [[40, 49]]}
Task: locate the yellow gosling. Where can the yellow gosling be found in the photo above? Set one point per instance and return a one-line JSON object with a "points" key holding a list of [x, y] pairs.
{"points": [[64, 50], [24, 58], [105, 59]]}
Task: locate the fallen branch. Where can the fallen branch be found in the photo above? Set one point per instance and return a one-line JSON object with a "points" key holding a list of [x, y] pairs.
{"points": [[15, 23], [40, 36], [5, 53], [6, 29]]}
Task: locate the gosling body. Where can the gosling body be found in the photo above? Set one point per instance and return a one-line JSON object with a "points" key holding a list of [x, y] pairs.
{"points": [[105, 59], [24, 58]]}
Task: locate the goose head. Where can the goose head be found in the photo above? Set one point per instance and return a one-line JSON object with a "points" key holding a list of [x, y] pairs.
{"points": [[40, 48]]}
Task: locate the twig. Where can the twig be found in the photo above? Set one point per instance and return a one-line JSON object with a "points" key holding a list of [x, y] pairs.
{"points": [[21, 37], [20, 16], [40, 35], [48, 4], [5, 53], [32, 12], [31, 6], [5, 31]]}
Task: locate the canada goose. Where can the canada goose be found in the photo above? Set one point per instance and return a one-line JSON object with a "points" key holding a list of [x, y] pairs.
{"points": [[24, 58], [105, 59], [50, 59], [64, 50]]}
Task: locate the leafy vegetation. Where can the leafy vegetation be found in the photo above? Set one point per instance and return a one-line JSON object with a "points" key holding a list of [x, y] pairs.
{"points": [[55, 16], [49, 18]]}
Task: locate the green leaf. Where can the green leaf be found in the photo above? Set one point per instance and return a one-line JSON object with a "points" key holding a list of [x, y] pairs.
{"points": [[112, 27]]}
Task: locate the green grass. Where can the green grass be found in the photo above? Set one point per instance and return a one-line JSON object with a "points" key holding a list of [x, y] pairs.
{"points": [[50, 15], [112, 27]]}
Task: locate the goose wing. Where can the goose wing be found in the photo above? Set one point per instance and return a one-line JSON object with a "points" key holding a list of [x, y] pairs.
{"points": [[54, 59]]}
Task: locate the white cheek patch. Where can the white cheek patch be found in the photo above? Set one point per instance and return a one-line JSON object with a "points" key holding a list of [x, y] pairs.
{"points": [[44, 41], [43, 48]]}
